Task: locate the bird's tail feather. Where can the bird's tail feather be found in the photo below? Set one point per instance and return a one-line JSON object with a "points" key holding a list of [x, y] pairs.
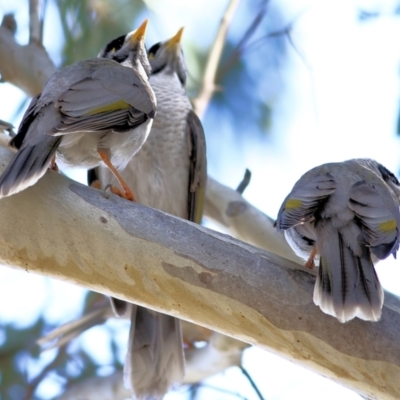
{"points": [[347, 285], [27, 166], [155, 359]]}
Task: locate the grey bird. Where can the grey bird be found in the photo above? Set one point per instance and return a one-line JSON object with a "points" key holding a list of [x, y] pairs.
{"points": [[96, 110], [168, 173], [347, 216]]}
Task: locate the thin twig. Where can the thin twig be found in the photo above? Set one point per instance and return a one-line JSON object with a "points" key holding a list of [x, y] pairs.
{"points": [[42, 19], [34, 22], [207, 89], [246, 37], [240, 49], [252, 383], [245, 182], [193, 390]]}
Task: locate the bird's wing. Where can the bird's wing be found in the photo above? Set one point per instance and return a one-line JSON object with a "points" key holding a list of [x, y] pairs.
{"points": [[379, 215], [304, 200], [198, 167], [29, 115], [108, 98]]}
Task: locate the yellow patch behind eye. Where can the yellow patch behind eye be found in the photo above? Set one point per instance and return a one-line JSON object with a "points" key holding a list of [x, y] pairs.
{"points": [[150, 56], [292, 204], [118, 105], [388, 226]]}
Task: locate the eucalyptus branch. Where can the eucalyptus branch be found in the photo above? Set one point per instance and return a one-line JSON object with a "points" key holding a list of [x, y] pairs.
{"points": [[35, 25], [27, 67], [246, 37], [110, 245], [200, 102]]}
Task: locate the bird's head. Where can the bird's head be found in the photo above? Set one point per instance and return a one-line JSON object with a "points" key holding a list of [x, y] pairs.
{"points": [[129, 49], [168, 57]]}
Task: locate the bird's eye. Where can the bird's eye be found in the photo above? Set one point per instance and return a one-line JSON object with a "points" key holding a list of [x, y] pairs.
{"points": [[114, 45], [153, 50], [394, 180]]}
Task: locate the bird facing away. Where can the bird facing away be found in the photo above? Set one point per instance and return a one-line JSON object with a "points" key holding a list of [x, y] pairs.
{"points": [[347, 215], [168, 173], [94, 110]]}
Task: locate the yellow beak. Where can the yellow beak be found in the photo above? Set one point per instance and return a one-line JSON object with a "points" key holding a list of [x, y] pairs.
{"points": [[140, 33], [175, 40]]}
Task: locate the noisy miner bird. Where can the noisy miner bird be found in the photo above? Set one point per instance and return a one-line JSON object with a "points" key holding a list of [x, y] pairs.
{"points": [[347, 215], [92, 111], [168, 173]]}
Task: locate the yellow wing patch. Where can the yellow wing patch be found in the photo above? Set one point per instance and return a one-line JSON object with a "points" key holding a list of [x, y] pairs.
{"points": [[118, 105], [292, 204], [388, 226]]}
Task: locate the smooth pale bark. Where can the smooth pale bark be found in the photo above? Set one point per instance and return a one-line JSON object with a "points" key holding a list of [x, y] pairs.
{"points": [[27, 67], [68, 231], [229, 209]]}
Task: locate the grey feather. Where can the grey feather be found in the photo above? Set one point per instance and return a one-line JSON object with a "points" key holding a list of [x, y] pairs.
{"points": [[168, 173], [95, 104], [352, 220], [347, 285], [27, 166], [198, 168], [311, 193]]}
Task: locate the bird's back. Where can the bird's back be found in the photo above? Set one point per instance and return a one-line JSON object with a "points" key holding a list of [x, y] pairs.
{"points": [[164, 158]]}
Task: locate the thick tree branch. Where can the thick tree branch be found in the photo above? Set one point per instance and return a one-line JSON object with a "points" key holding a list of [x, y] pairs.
{"points": [[65, 230], [27, 67], [229, 209]]}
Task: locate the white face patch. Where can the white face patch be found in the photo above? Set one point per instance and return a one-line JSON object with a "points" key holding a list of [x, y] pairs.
{"points": [[140, 69]]}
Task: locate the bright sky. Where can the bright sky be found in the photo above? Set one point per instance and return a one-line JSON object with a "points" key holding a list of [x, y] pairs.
{"points": [[341, 101]]}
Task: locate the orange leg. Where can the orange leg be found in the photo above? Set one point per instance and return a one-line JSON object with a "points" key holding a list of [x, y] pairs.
{"points": [[53, 164], [310, 262], [128, 192], [96, 184]]}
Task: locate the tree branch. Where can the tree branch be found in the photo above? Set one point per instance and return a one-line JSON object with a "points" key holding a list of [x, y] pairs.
{"points": [[27, 67], [65, 230], [233, 213], [98, 388], [200, 102], [35, 29], [221, 353]]}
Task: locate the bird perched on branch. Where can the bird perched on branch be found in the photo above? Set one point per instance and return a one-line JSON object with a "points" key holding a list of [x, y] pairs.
{"points": [[168, 173], [93, 111], [347, 216]]}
